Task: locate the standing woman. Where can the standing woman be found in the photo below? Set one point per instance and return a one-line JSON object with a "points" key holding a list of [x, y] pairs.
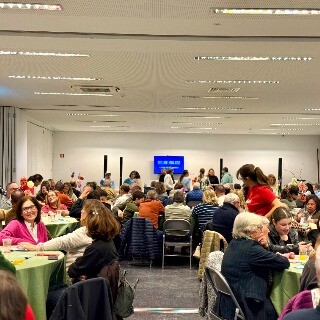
{"points": [[27, 227], [168, 181], [260, 199], [185, 180], [131, 179], [273, 183], [212, 179]]}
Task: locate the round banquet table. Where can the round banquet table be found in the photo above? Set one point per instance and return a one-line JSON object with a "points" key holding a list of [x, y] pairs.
{"points": [[36, 274], [286, 284], [61, 226]]}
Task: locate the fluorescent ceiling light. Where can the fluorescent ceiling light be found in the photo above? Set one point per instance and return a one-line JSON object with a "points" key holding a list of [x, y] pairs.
{"points": [[51, 54], [234, 58], [288, 129], [202, 117], [213, 108], [55, 78], [235, 81], [293, 118], [219, 97], [294, 124], [193, 128], [91, 114], [195, 123], [30, 6], [265, 11], [74, 94], [108, 126]]}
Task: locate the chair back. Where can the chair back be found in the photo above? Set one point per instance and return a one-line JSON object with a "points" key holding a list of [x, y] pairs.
{"points": [[212, 241], [193, 203], [219, 282], [172, 226]]}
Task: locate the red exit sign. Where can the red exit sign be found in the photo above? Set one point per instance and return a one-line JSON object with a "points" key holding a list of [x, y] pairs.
{"points": [[61, 155]]}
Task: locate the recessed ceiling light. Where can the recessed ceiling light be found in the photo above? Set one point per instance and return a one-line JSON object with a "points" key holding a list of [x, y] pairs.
{"points": [[30, 6], [312, 109], [55, 78], [51, 54], [92, 115], [74, 94], [234, 58], [213, 108], [219, 97], [235, 81], [265, 11], [294, 124]]}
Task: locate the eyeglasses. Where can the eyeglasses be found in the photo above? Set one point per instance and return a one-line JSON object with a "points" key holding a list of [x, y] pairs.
{"points": [[26, 209]]}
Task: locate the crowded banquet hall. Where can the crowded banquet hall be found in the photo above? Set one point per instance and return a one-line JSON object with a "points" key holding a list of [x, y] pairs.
{"points": [[155, 151]]}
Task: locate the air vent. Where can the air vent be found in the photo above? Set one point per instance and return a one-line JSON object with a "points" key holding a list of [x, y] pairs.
{"points": [[96, 89], [224, 89]]}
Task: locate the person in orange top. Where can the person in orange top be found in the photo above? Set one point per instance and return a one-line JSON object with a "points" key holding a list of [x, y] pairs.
{"points": [[151, 208], [64, 199]]}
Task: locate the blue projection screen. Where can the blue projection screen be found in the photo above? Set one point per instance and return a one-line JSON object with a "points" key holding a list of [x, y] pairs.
{"points": [[165, 162]]}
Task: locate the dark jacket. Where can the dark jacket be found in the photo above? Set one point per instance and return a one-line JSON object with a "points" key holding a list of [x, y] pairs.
{"points": [[194, 195], [75, 211], [139, 239], [246, 266], [310, 314], [223, 219], [85, 300], [276, 244], [97, 255], [308, 280]]}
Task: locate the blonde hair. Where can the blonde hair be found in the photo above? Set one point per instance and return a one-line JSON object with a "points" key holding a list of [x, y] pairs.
{"points": [[209, 197]]}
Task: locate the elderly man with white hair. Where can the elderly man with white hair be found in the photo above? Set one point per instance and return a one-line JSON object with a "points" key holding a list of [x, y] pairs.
{"points": [[195, 194], [246, 265], [223, 217]]}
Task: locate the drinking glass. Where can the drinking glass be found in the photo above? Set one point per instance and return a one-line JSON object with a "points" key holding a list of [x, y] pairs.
{"points": [[7, 245]]}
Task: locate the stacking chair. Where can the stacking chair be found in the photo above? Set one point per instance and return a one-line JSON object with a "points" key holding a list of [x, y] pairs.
{"points": [[221, 285], [193, 203], [179, 229]]}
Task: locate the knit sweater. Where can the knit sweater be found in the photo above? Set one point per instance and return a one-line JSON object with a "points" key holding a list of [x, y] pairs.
{"points": [[18, 232]]}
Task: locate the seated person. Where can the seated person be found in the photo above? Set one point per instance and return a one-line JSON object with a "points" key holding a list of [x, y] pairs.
{"points": [[305, 304], [53, 204], [67, 189], [220, 193], [123, 198], [5, 202], [246, 265], [13, 300], [132, 206], [286, 198], [223, 217], [196, 193], [44, 189], [203, 212], [308, 280], [102, 227], [108, 189], [161, 192], [282, 237], [15, 197], [177, 187], [151, 208], [64, 199], [27, 227], [178, 210]]}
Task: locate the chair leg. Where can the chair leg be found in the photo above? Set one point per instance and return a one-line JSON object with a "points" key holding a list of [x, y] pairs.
{"points": [[190, 255], [163, 252]]}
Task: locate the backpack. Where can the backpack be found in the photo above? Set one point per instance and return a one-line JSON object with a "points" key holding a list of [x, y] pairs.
{"points": [[123, 306]]}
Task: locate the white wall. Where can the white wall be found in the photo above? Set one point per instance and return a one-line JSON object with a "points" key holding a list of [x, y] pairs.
{"points": [[84, 151], [40, 149]]}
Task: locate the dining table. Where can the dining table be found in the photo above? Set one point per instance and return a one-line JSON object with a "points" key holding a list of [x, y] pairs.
{"points": [[61, 226], [286, 284], [36, 271]]}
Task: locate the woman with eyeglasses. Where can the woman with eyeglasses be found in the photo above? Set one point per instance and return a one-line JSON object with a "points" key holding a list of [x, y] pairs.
{"points": [[260, 199], [27, 227]]}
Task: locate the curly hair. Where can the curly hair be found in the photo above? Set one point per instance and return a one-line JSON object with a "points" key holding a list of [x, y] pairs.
{"points": [[209, 196], [99, 221]]}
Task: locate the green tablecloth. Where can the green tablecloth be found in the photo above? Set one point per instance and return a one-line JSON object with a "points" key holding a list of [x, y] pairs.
{"points": [[286, 284], [62, 226], [36, 274]]}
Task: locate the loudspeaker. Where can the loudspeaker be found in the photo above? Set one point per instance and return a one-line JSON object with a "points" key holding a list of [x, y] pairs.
{"points": [[221, 167], [121, 168], [105, 164], [280, 174]]}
